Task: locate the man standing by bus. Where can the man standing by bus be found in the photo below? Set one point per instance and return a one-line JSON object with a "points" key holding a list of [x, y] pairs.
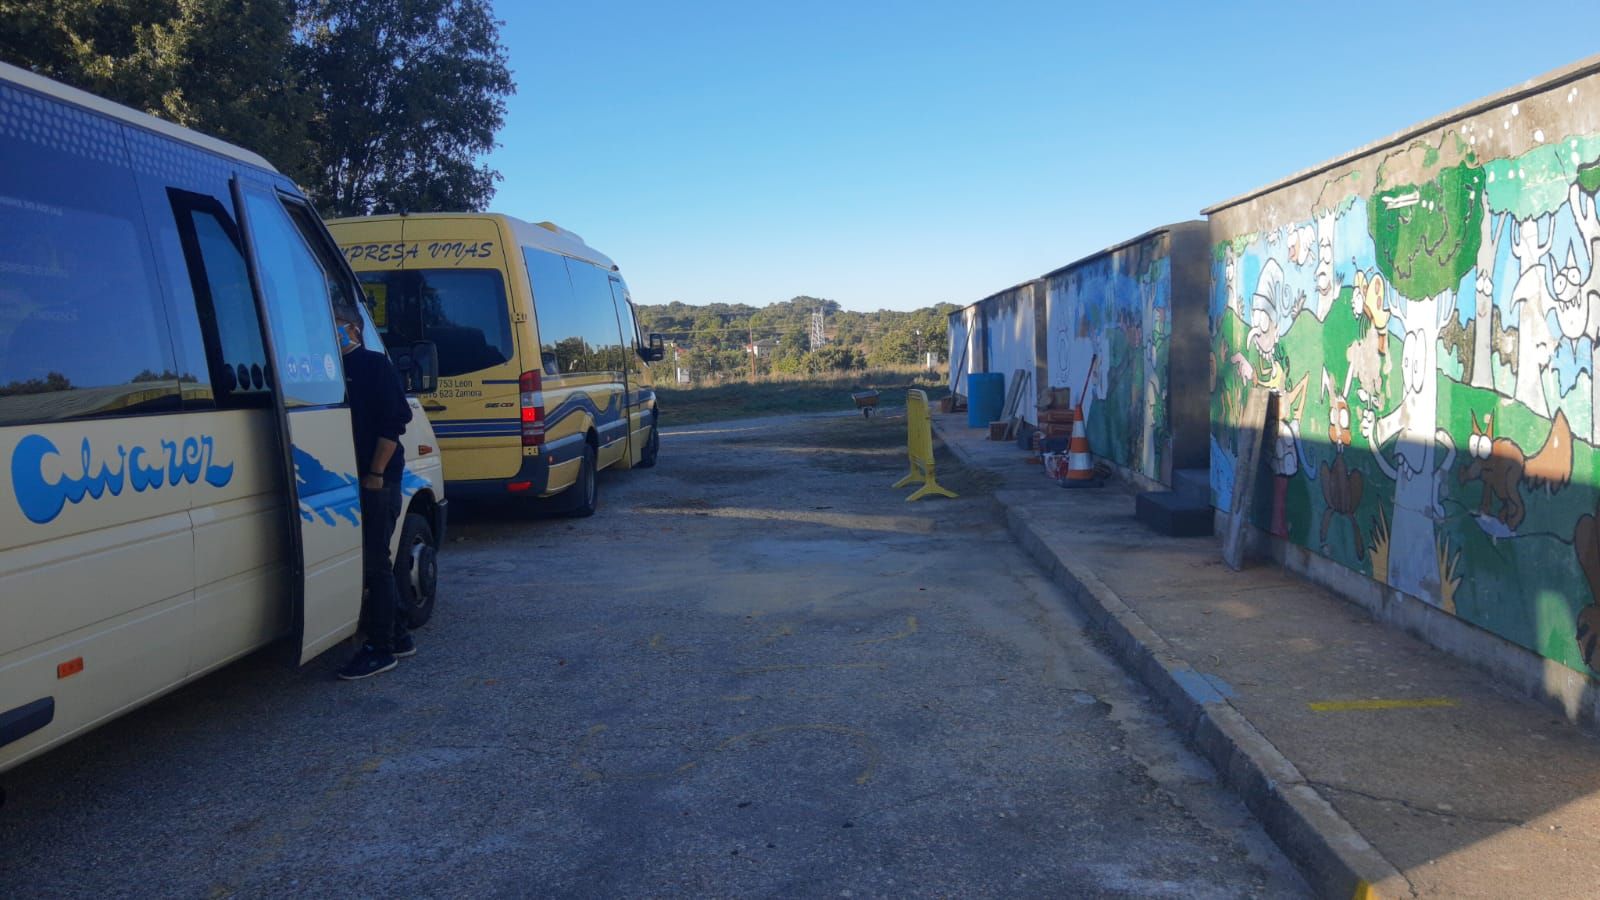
{"points": [[378, 413]]}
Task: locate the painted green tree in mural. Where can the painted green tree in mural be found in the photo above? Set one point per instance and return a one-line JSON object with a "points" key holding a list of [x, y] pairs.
{"points": [[1426, 239]]}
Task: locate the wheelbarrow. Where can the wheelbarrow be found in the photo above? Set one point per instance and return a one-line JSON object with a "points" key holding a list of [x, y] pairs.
{"points": [[866, 401]]}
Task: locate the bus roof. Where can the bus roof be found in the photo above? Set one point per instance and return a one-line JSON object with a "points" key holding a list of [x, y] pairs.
{"points": [[543, 236], [40, 84]]}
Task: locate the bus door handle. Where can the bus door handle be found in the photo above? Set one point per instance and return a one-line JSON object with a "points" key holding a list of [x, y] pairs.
{"points": [[433, 407]]}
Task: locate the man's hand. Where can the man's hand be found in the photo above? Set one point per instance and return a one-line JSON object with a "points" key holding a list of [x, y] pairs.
{"points": [[372, 482]]}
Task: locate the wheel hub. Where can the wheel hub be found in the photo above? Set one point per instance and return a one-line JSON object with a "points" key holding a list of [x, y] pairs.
{"points": [[424, 571]]}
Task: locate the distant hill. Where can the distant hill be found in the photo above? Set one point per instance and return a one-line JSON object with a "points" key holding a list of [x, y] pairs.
{"points": [[712, 341]]}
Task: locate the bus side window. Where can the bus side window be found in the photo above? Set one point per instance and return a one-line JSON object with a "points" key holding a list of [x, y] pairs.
{"points": [[83, 332], [230, 326]]}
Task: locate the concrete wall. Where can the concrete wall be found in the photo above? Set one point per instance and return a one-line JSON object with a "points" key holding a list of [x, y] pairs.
{"points": [[1008, 322], [957, 332], [1144, 409], [1000, 332], [1429, 310]]}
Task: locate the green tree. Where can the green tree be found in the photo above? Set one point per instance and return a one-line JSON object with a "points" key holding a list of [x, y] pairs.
{"points": [[410, 94], [223, 67], [1426, 238], [371, 105]]}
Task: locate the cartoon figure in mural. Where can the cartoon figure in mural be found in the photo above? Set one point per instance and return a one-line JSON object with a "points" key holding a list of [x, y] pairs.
{"points": [[1341, 486], [1302, 245], [1531, 300], [1272, 313], [1587, 219], [1327, 285], [1368, 356], [1153, 397]]}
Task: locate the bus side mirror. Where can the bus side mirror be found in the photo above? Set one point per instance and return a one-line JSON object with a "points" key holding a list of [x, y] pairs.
{"points": [[420, 371], [657, 350]]}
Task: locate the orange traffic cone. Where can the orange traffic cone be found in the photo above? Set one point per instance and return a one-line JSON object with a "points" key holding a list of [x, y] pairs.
{"points": [[1080, 465]]}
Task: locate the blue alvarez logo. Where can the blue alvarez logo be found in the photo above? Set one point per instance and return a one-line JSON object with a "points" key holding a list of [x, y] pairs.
{"points": [[42, 497]]}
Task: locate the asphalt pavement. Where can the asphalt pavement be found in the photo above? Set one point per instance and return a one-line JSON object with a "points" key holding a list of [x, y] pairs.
{"points": [[755, 672]]}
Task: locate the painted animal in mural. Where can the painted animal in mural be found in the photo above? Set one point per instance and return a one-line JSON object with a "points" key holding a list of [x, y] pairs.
{"points": [[1342, 486], [1586, 546], [1498, 463]]}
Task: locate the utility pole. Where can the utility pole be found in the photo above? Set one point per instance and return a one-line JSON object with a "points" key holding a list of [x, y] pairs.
{"points": [[819, 327], [748, 324]]}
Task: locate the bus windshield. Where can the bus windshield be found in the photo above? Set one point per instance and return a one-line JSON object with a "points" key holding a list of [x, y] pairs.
{"points": [[463, 311]]}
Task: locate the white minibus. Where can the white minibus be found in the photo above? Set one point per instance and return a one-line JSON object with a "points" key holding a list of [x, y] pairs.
{"points": [[177, 476]]}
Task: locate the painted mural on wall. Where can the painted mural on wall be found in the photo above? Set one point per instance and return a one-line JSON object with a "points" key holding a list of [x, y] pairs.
{"points": [[1433, 330], [1118, 307]]}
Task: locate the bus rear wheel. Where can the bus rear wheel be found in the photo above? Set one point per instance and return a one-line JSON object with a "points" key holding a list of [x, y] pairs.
{"points": [[416, 570], [586, 490]]}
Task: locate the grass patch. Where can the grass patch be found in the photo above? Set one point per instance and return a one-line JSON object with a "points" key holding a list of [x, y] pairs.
{"points": [[776, 397]]}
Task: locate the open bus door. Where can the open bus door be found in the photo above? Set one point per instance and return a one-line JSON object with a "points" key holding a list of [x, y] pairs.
{"points": [[295, 285]]}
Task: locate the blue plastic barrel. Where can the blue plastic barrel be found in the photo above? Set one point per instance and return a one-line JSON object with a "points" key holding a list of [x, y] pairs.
{"points": [[986, 394]]}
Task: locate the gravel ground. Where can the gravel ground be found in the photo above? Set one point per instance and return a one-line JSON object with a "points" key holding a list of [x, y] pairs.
{"points": [[756, 671]]}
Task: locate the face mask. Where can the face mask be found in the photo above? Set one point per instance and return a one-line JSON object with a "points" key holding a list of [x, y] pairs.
{"points": [[346, 342]]}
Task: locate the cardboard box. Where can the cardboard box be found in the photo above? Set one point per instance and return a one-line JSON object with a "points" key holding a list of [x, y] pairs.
{"points": [[997, 431], [1055, 417]]}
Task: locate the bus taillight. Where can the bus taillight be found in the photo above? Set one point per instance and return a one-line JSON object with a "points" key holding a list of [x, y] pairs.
{"points": [[532, 409]]}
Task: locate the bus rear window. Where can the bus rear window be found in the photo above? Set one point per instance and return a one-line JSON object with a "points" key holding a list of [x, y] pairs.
{"points": [[463, 311]]}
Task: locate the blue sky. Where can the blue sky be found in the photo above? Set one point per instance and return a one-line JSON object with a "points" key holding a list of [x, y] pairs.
{"points": [[898, 154]]}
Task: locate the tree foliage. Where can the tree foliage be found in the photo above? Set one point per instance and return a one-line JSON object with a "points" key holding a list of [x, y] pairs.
{"points": [[411, 93], [371, 105], [1427, 236], [714, 338]]}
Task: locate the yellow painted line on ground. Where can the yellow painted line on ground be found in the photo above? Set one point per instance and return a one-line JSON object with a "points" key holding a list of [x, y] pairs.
{"points": [[1354, 705], [910, 629], [761, 670]]}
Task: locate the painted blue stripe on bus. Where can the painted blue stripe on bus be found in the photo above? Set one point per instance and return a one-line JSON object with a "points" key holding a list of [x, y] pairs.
{"points": [[500, 381]]}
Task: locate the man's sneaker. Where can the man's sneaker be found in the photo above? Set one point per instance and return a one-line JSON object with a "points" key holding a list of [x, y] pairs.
{"points": [[368, 661], [404, 646]]}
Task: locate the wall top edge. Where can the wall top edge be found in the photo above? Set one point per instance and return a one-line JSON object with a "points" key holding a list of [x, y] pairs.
{"points": [[1537, 85], [1163, 229]]}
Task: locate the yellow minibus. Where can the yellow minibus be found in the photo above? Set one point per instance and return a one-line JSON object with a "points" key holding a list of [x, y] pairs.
{"points": [[544, 377]]}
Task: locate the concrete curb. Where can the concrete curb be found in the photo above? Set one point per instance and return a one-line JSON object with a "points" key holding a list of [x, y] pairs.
{"points": [[1334, 858]]}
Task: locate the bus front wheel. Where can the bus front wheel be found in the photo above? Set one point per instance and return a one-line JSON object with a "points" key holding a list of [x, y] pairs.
{"points": [[416, 570]]}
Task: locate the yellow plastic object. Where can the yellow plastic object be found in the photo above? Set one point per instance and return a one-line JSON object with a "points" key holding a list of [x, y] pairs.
{"points": [[919, 446]]}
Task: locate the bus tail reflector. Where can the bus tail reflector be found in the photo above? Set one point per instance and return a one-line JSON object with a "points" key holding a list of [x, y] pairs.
{"points": [[69, 668], [532, 387], [517, 487]]}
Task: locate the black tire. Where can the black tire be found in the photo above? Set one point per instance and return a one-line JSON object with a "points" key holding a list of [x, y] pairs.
{"points": [[652, 447], [416, 570], [586, 490]]}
